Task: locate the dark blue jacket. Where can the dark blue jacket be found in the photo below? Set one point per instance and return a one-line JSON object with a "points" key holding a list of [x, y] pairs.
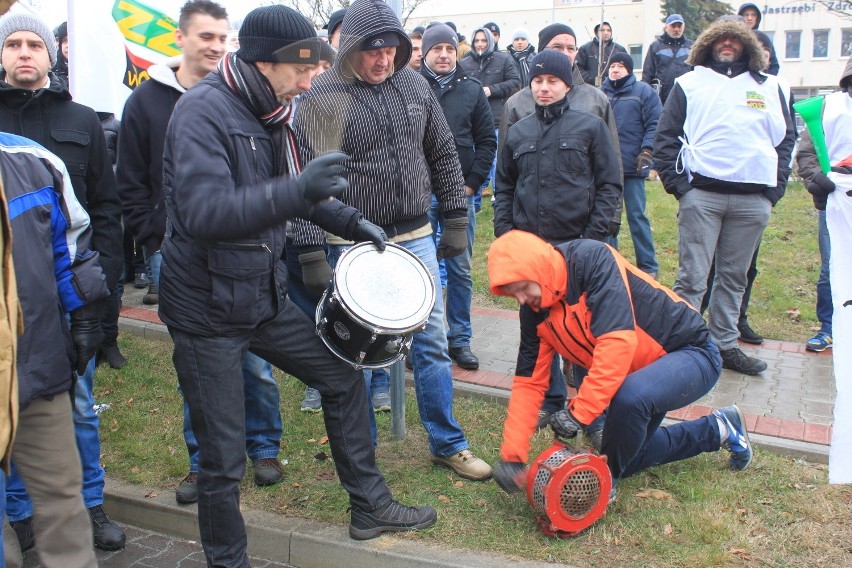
{"points": [[666, 61], [637, 109], [56, 271]]}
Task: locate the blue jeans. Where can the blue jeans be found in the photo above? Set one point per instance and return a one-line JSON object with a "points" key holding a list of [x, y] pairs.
{"points": [[824, 307], [155, 261], [557, 393], [18, 503], [263, 416], [433, 373], [632, 438], [477, 198], [640, 227], [459, 282]]}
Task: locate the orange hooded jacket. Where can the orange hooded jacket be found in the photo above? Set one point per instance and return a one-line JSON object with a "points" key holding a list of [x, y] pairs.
{"points": [[597, 311]]}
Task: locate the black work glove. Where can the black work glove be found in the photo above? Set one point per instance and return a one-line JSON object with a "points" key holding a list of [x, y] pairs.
{"points": [[510, 476], [366, 231], [87, 336], [821, 185], [323, 177], [564, 424], [316, 272], [453, 237], [644, 161]]}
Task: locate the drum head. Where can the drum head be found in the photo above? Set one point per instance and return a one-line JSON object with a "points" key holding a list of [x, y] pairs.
{"points": [[390, 290]]}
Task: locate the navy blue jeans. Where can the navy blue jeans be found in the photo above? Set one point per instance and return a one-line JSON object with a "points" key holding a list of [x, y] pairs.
{"points": [[824, 307], [640, 226], [209, 370], [632, 437]]}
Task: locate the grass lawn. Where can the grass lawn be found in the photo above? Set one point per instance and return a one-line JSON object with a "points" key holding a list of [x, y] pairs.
{"points": [[778, 513], [784, 297]]}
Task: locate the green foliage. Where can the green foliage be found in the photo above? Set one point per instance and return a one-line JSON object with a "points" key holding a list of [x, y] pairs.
{"points": [[698, 14]]}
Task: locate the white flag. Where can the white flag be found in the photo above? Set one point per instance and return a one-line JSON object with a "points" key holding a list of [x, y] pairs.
{"points": [[111, 45]]}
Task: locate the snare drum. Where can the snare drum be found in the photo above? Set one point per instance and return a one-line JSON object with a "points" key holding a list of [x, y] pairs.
{"points": [[374, 304]]}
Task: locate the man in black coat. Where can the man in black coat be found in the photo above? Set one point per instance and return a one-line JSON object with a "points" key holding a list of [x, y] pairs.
{"points": [[593, 60], [469, 116], [666, 58]]}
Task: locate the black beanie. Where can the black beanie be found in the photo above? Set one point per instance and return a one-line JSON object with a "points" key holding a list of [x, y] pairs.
{"points": [[278, 34], [442, 33], [622, 58], [492, 27], [552, 62], [335, 20], [551, 31], [380, 40]]}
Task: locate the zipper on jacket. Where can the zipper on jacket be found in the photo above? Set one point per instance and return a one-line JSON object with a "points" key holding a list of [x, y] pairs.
{"points": [[244, 246], [574, 339], [254, 156]]}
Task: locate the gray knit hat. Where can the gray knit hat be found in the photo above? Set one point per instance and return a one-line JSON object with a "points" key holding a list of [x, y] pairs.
{"points": [[278, 34], [20, 22], [439, 33]]}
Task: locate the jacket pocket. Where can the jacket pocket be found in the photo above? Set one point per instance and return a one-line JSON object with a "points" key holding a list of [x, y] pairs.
{"points": [[240, 273], [573, 156], [73, 147], [525, 156]]}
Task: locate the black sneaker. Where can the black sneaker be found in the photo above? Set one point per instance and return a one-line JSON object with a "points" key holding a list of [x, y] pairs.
{"points": [[108, 535], [393, 517], [735, 360], [187, 491], [140, 280], [24, 531], [748, 335], [267, 471]]}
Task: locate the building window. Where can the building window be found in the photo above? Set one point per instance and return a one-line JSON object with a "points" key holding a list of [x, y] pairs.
{"points": [[846, 42], [793, 45], [820, 44], [636, 55]]}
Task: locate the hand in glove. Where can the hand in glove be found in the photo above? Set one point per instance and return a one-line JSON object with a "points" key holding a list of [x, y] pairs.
{"points": [[644, 161], [564, 424], [510, 476], [316, 271], [323, 177], [366, 231], [821, 185], [453, 237], [87, 336]]}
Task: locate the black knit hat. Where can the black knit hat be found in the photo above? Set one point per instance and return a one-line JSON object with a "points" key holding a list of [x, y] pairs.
{"points": [[552, 62], [278, 34], [622, 58], [442, 33], [492, 27], [335, 20], [380, 40], [551, 31]]}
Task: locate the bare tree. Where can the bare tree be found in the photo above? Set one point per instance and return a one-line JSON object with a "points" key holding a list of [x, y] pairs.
{"points": [[318, 11]]}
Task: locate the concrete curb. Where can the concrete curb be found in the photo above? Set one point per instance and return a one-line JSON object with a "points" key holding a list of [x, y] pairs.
{"points": [[299, 542]]}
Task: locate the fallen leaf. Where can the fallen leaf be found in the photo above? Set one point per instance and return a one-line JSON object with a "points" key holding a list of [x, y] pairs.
{"points": [[323, 440], [151, 495], [312, 440], [794, 314], [742, 553], [458, 484], [742, 512], [172, 450], [481, 503], [130, 402], [657, 494], [153, 410], [443, 499], [134, 469], [322, 456], [667, 530], [325, 476], [297, 485]]}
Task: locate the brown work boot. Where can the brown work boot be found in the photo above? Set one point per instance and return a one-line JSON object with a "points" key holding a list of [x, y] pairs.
{"points": [[466, 465]]}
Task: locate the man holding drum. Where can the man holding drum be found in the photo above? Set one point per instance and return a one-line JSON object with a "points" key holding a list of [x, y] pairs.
{"points": [[230, 182], [371, 106]]}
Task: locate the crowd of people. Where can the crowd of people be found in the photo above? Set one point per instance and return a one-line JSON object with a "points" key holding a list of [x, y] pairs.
{"points": [[246, 166]]}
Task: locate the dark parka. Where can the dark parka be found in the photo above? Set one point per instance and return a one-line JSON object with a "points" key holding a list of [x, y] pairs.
{"points": [[637, 109], [227, 207], [588, 59], [666, 61], [558, 176], [74, 133], [469, 116], [495, 70]]}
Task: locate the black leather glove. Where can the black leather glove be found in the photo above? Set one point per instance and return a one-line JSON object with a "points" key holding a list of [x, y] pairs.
{"points": [[366, 231], [316, 272], [644, 161], [510, 476], [821, 185], [453, 237], [86, 334], [323, 177], [564, 424]]}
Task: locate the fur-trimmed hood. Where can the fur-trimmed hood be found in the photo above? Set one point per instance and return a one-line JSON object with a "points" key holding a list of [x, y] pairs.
{"points": [[702, 50]]}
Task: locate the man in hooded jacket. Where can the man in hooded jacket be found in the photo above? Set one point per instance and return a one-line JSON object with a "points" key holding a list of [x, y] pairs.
{"points": [[647, 351], [392, 177], [725, 177], [751, 16], [593, 60]]}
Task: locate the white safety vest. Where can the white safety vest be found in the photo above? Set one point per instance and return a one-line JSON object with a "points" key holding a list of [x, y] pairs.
{"points": [[732, 127]]}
